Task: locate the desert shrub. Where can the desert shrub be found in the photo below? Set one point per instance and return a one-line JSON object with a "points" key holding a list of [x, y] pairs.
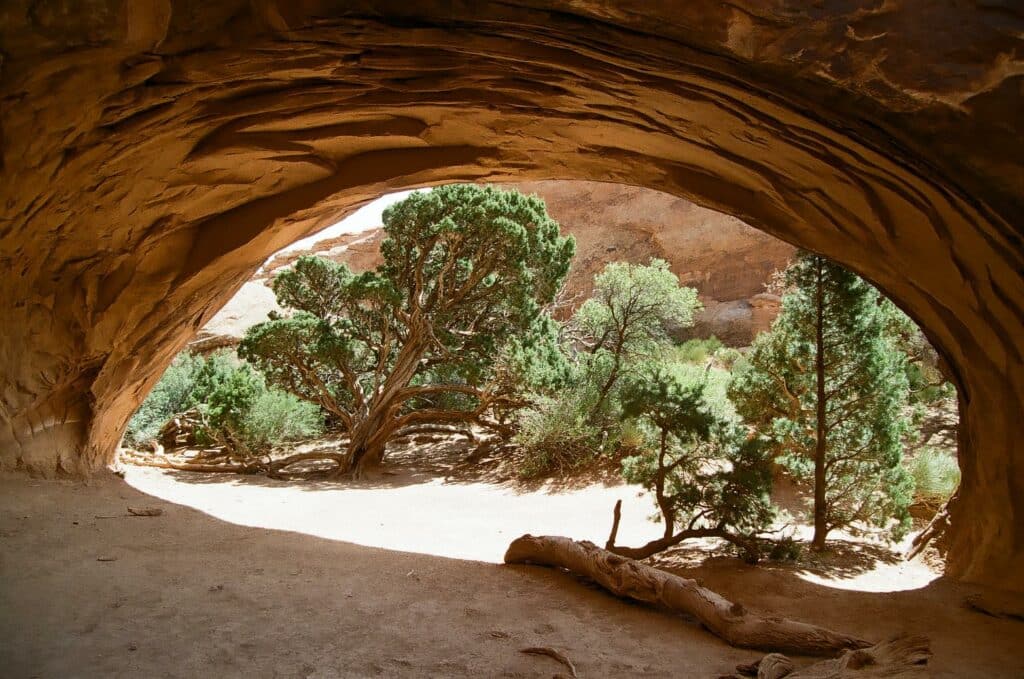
{"points": [[696, 350], [171, 395], [785, 549], [706, 472], [556, 436], [936, 475], [236, 407], [727, 357], [275, 416], [224, 391]]}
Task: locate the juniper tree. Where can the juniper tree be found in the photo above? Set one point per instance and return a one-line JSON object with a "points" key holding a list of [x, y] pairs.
{"points": [[828, 387], [710, 478], [466, 269]]}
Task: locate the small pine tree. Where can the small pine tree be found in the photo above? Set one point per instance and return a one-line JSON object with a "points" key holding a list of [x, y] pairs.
{"points": [[709, 477], [829, 388]]}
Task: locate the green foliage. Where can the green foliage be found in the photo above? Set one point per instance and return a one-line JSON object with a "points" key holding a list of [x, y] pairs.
{"points": [[727, 357], [865, 388], [275, 417], [697, 350], [625, 319], [926, 382], [223, 392], [632, 304], [705, 470], [236, 406], [936, 475], [785, 549], [466, 269], [171, 395], [555, 436]]}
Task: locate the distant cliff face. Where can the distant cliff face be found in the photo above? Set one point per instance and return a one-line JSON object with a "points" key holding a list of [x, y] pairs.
{"points": [[727, 261]]}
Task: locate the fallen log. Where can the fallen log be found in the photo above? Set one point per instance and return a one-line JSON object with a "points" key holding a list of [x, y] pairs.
{"points": [[634, 580], [935, 528]]}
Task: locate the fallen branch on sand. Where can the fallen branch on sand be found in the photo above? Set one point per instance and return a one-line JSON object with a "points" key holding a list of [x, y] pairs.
{"points": [[905, 657], [634, 580], [746, 545], [552, 653]]}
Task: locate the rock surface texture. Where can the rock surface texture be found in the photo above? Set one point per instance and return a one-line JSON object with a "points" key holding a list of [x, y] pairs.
{"points": [[155, 152]]}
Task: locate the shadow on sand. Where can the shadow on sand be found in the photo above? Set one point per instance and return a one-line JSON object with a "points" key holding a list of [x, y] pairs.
{"points": [[185, 594]]}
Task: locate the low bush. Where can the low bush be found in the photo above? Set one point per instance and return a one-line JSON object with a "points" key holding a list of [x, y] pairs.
{"points": [[235, 406], [696, 350], [555, 436], [276, 417], [936, 475], [171, 395]]}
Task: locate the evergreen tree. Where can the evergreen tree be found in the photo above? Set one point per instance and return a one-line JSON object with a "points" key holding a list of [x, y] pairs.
{"points": [[466, 269], [709, 477], [828, 387]]}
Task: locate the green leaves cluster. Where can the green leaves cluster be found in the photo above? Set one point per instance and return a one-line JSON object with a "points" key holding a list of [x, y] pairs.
{"points": [[233, 401], [704, 468], [832, 324], [434, 333]]}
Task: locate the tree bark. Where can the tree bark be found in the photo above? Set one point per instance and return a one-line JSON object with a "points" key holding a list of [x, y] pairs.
{"points": [[631, 579], [820, 509], [904, 656]]}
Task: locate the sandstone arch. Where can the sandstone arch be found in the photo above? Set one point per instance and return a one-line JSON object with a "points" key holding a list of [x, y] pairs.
{"points": [[154, 152]]}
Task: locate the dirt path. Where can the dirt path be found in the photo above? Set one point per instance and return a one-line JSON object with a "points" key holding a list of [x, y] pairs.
{"points": [[193, 594]]}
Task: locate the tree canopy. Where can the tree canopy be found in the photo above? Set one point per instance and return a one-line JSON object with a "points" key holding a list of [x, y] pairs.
{"points": [[709, 477], [828, 387], [466, 269], [626, 318]]}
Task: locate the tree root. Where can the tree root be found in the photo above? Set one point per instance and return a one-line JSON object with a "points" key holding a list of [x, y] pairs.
{"points": [[162, 462], [552, 653], [275, 467], [631, 579], [903, 656]]}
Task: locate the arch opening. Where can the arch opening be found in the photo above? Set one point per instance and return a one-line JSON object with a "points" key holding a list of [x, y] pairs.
{"points": [[201, 163]]}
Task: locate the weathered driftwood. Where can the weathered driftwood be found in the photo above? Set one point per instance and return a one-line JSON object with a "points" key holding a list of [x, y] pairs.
{"points": [[935, 528], [905, 656], [277, 466], [632, 579]]}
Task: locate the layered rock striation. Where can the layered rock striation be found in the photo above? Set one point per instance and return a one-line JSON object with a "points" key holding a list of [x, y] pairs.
{"points": [[156, 152]]}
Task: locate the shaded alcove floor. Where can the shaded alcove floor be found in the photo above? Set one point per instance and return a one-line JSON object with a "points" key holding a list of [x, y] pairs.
{"points": [[190, 595]]}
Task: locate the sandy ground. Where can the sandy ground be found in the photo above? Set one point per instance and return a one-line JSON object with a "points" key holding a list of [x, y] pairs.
{"points": [[245, 576]]}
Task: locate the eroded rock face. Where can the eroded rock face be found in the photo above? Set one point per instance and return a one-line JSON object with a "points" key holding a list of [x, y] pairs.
{"points": [[156, 152]]}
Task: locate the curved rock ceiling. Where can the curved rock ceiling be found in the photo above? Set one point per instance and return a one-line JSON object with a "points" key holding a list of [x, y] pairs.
{"points": [[155, 152]]}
